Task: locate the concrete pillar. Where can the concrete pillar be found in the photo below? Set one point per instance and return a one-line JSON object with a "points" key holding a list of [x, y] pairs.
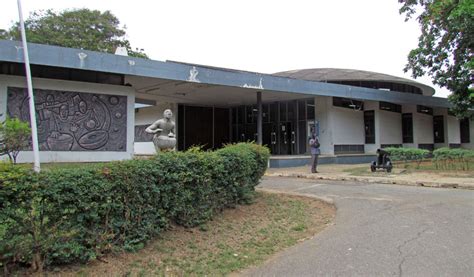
{"points": [[259, 118]]}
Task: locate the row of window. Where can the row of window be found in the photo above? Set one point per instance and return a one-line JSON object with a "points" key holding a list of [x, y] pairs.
{"points": [[381, 85], [384, 106], [407, 128], [275, 112], [59, 73]]}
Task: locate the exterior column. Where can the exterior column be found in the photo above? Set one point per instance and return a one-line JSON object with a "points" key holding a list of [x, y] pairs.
{"points": [[259, 118]]}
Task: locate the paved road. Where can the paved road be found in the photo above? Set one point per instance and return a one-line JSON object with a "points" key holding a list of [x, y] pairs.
{"points": [[381, 230]]}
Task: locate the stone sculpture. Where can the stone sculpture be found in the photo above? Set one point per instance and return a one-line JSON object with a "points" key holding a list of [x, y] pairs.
{"points": [[163, 130]]}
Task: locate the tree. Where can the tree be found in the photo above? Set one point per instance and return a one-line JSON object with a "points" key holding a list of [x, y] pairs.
{"points": [[445, 47], [14, 137], [77, 28]]}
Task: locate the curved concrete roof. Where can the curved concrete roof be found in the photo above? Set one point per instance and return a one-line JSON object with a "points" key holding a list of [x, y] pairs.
{"points": [[338, 74]]}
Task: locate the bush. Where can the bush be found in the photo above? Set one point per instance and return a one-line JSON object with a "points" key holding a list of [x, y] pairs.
{"points": [[446, 158], [78, 214], [14, 137], [407, 154]]}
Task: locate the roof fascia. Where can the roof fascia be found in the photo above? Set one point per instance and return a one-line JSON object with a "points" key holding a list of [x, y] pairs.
{"points": [[47, 55]]}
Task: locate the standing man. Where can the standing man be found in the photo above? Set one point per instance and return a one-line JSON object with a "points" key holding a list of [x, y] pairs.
{"points": [[314, 146]]}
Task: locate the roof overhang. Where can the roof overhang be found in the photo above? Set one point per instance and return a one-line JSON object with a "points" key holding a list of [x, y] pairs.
{"points": [[244, 83]]}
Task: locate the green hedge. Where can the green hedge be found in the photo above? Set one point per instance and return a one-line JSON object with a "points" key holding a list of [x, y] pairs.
{"points": [[407, 154], [446, 158], [76, 215]]}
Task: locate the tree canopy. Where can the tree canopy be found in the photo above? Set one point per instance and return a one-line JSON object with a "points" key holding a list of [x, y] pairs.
{"points": [[76, 28], [445, 47]]}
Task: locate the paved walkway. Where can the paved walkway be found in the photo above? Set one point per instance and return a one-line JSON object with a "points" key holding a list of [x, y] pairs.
{"points": [[381, 230], [361, 173]]}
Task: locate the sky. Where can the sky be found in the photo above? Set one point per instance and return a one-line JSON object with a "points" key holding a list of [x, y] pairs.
{"points": [[259, 35]]}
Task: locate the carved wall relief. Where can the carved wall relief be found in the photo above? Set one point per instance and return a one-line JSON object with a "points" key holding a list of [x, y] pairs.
{"points": [[141, 135], [74, 121]]}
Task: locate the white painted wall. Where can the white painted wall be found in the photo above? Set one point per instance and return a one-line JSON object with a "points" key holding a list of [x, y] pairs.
{"points": [[347, 126], [148, 115], [423, 128], [454, 130], [322, 107], [73, 156], [390, 127]]}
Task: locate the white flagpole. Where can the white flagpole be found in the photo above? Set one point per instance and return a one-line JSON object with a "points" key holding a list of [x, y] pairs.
{"points": [[34, 132]]}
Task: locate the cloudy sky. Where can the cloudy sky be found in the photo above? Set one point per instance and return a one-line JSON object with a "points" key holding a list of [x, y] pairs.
{"points": [[259, 35]]}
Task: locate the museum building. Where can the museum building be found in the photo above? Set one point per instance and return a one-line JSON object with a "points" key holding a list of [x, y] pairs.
{"points": [[94, 106]]}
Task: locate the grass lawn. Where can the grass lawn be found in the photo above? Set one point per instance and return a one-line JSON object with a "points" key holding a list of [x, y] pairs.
{"points": [[236, 239]]}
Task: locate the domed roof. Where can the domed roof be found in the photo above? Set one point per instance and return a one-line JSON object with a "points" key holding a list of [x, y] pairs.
{"points": [[351, 75]]}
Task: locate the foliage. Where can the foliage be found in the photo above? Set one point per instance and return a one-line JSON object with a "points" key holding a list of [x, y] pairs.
{"points": [[445, 158], [78, 214], [445, 47], [76, 28], [14, 137], [407, 154]]}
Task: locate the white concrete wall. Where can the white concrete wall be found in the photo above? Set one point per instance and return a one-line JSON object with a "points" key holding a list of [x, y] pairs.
{"points": [[322, 106], [73, 156], [454, 130], [390, 127], [148, 115], [422, 127], [347, 126], [338, 125]]}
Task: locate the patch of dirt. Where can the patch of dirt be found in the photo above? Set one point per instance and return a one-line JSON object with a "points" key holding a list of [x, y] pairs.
{"points": [[237, 238]]}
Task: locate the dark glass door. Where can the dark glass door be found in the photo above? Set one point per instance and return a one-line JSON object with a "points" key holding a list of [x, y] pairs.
{"points": [[270, 137], [286, 138]]}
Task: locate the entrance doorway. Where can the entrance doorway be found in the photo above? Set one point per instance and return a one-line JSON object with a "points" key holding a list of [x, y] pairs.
{"points": [[284, 127], [287, 138]]}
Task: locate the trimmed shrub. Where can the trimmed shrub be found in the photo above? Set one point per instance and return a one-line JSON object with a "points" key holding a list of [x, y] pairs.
{"points": [[78, 214], [407, 154], [458, 158]]}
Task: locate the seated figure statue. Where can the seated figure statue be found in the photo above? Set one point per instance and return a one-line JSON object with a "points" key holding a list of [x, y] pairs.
{"points": [[163, 130]]}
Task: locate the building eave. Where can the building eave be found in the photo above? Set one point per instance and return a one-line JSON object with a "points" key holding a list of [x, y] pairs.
{"points": [[10, 51]]}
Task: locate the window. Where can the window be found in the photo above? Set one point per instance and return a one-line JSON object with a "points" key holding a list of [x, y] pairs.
{"points": [[283, 112], [407, 127], [310, 108], [438, 128], [369, 125], [386, 106], [348, 103], [424, 109], [301, 109], [426, 146], [391, 145], [464, 127], [348, 149]]}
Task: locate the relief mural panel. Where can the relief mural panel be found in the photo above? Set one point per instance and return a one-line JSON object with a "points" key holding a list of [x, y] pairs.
{"points": [[141, 135], [74, 121]]}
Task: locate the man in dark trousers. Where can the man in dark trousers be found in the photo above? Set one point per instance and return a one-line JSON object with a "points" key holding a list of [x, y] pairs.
{"points": [[314, 146]]}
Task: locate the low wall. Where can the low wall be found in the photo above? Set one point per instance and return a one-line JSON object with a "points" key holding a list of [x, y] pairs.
{"points": [[279, 162]]}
